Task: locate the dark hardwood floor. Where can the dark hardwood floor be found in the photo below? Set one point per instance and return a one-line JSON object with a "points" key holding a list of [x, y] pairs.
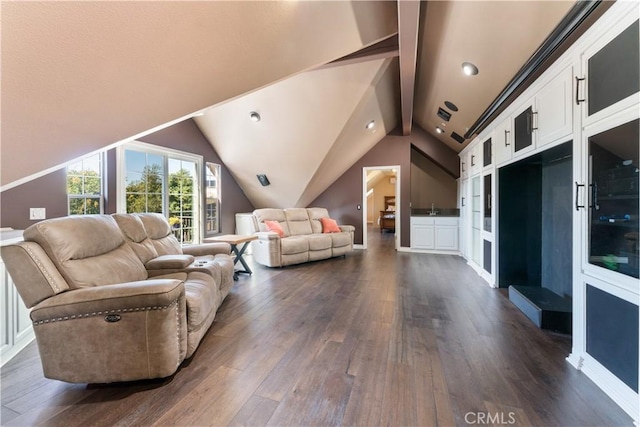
{"points": [[376, 338]]}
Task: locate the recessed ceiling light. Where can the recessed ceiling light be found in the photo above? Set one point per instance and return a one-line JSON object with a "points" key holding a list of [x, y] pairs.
{"points": [[439, 130], [371, 124], [255, 117], [469, 69]]}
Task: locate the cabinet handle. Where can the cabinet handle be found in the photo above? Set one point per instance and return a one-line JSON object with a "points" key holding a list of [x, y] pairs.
{"points": [[463, 202], [535, 113], [472, 157], [463, 167], [577, 188], [578, 99], [506, 132]]}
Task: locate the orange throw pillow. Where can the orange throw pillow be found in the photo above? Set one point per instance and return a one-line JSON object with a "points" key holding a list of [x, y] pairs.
{"points": [[275, 227], [329, 225]]}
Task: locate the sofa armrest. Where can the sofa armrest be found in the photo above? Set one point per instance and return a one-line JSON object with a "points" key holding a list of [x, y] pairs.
{"points": [[173, 262], [267, 235], [102, 300], [207, 249], [103, 334], [349, 228]]}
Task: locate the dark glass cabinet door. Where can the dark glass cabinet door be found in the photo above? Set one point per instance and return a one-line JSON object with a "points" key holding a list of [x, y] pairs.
{"points": [[486, 152], [614, 196], [487, 203], [523, 132], [614, 71]]}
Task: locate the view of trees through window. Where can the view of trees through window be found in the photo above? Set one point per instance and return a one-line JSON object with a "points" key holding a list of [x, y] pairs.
{"points": [[147, 177], [84, 186]]}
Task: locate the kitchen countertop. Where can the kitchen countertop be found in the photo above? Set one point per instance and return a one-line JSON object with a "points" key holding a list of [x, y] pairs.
{"points": [[441, 212]]}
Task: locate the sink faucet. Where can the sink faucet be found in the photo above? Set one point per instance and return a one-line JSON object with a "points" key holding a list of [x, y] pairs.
{"points": [[433, 209]]}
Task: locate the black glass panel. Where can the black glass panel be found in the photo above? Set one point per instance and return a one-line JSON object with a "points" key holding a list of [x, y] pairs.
{"points": [[613, 201], [522, 130], [614, 71], [486, 152], [487, 202]]}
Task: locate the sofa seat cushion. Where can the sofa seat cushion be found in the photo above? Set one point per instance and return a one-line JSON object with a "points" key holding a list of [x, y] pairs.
{"points": [[203, 298], [340, 239], [294, 245], [318, 242]]}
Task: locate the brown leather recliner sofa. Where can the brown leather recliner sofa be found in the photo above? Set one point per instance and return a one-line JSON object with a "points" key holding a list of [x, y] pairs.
{"points": [[115, 298]]}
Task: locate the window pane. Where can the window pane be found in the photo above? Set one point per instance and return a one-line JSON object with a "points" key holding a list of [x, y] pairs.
{"points": [[135, 161], [92, 164], [74, 185], [154, 203], [76, 206], [92, 185], [153, 178], [212, 198], [84, 177], [92, 206]]}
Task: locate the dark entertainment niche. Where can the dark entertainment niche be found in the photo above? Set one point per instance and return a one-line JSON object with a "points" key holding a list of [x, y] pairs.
{"points": [[535, 236]]}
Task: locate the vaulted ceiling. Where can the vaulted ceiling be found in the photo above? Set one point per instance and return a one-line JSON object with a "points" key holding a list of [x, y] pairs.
{"points": [[81, 76]]}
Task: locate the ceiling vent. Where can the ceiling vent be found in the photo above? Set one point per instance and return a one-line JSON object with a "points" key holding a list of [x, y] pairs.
{"points": [[444, 114], [457, 137]]}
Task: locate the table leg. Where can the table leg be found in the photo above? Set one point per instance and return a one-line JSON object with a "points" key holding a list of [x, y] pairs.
{"points": [[239, 257]]}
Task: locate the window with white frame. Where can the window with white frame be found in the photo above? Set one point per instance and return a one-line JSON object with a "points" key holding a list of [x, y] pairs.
{"points": [[212, 202], [84, 186], [162, 180]]}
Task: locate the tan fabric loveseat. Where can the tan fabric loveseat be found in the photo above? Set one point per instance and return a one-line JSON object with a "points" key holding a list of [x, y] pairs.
{"points": [[98, 315], [303, 238]]}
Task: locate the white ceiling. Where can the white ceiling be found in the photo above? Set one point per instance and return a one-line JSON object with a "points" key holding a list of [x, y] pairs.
{"points": [[80, 76]]}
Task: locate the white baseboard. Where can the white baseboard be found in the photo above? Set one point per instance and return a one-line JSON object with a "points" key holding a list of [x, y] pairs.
{"points": [[618, 391]]}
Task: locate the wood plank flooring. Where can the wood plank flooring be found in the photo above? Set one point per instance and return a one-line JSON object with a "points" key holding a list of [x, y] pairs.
{"points": [[376, 338]]}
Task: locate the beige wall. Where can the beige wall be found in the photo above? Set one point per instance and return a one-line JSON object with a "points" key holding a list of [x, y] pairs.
{"points": [[430, 184]]}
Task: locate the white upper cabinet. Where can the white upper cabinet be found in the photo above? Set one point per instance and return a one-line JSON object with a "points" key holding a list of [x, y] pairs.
{"points": [[525, 129], [611, 72], [555, 109], [502, 141], [475, 158]]}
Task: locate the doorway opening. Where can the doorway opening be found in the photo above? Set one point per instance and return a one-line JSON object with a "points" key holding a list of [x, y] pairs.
{"points": [[381, 202]]}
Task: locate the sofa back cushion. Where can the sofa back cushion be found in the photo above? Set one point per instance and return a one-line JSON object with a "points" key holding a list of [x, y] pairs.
{"points": [[159, 231], [269, 214], [87, 250], [315, 214], [135, 234], [298, 221]]}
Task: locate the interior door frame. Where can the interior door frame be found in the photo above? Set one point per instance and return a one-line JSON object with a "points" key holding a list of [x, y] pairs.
{"points": [[365, 171]]}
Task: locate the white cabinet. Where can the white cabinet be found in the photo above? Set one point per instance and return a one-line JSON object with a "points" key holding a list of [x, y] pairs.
{"points": [[464, 164], [435, 233], [423, 233], [502, 141], [555, 109], [446, 237], [475, 158], [15, 325], [524, 129]]}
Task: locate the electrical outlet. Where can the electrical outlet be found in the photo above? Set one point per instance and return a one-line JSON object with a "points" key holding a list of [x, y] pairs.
{"points": [[358, 207], [37, 213]]}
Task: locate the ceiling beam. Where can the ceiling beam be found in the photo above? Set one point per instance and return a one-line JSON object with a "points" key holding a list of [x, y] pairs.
{"points": [[387, 48], [408, 22]]}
